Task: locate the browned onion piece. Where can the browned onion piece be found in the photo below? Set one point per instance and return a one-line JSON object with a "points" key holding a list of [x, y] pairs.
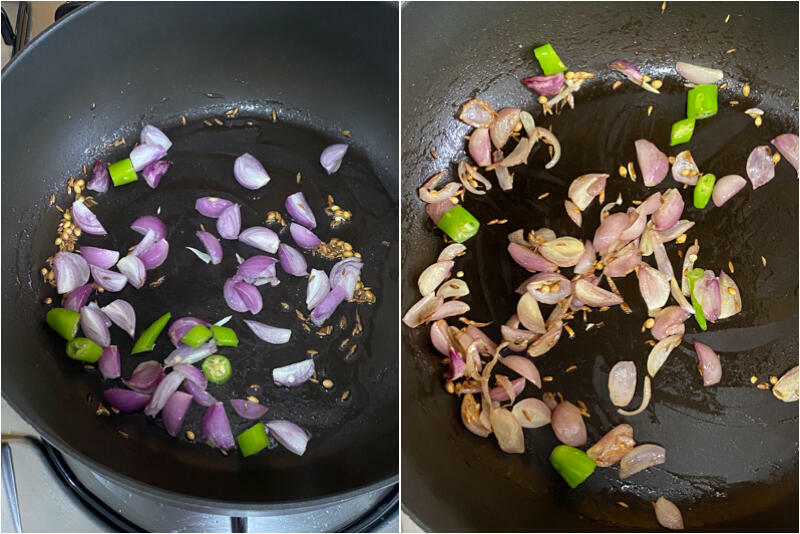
{"points": [[523, 367], [453, 288], [653, 286], [449, 309], [529, 314], [607, 234], [568, 425], [650, 204], [660, 352], [440, 337], [730, 297], [531, 413], [503, 127], [471, 416], [587, 260], [480, 147], [563, 251], [667, 514], [646, 393], [477, 114], [550, 138], [584, 188], [504, 178], [507, 430], [451, 252], [507, 386], [786, 388], [710, 367], [549, 288], [547, 341], [594, 296], [518, 237], [433, 276], [517, 156], [622, 383], [428, 194], [467, 175], [484, 343], [640, 458], [613, 446], [679, 228], [623, 262], [684, 170], [637, 223], [670, 210], [518, 339], [502, 393], [541, 236], [424, 308], [669, 321], [573, 212]]}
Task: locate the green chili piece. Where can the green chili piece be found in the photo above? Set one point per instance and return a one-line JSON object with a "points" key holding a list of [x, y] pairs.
{"points": [[702, 101], [253, 439], [64, 322], [459, 224], [198, 335], [549, 60], [84, 349], [694, 276], [703, 190], [682, 131], [122, 172], [572, 464], [147, 339], [225, 336], [217, 368]]}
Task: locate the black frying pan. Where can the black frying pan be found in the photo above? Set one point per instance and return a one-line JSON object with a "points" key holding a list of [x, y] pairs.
{"points": [[104, 72], [731, 449]]}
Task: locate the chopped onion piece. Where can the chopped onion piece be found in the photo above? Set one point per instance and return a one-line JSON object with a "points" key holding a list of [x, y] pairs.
{"points": [[584, 188], [787, 145], [212, 206], [86, 220], [507, 430], [163, 392], [212, 246], [622, 383], [151, 135], [697, 74], [100, 178], [786, 388], [133, 269], [667, 514], [230, 222], [760, 166], [726, 187], [299, 208], [215, 427], [670, 210], [154, 172], [613, 446], [563, 251], [468, 176], [529, 314], [145, 377], [669, 321], [524, 367], [260, 238], [291, 436], [189, 355], [453, 288], [480, 147], [531, 413], [646, 393], [304, 237], [428, 194], [660, 352], [433, 276], [156, 255], [292, 260], [318, 288], [200, 396], [568, 425], [101, 257], [325, 309], [248, 409], [594, 296], [640, 458], [109, 363], [77, 298], [200, 254], [175, 410], [331, 158], [653, 163], [710, 366], [250, 173], [419, 312], [145, 154], [270, 334], [108, 280], [545, 85], [653, 286], [477, 114], [451, 252], [180, 327], [503, 126], [122, 314], [125, 400], [294, 374], [529, 259], [707, 293], [730, 297], [93, 324], [685, 170], [573, 212]]}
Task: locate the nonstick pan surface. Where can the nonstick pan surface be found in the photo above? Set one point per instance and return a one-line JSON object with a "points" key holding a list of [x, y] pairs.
{"points": [[731, 449]]}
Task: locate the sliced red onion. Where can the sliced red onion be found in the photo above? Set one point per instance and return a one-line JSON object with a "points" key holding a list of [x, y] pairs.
{"points": [[786, 388], [667, 514], [145, 244], [622, 383], [133, 269], [449, 309], [584, 188], [145, 377], [100, 178], [669, 321], [257, 270], [101, 257], [468, 175], [345, 273], [529, 259], [650, 204], [294, 374], [156, 255], [270, 334], [503, 126], [677, 229], [653, 286], [547, 341], [613, 446], [325, 309], [248, 409], [180, 327], [125, 400], [435, 211], [623, 263], [428, 194], [288, 434], [587, 260], [471, 416], [154, 172], [212, 206], [94, 326], [93, 305], [215, 427], [232, 297], [175, 410], [457, 365], [524, 367], [331, 158], [706, 291], [670, 210], [517, 156], [545, 85], [568, 425], [557, 287], [787, 145], [685, 162], [653, 163], [477, 114], [163, 392], [200, 396], [552, 140], [573, 212], [192, 374], [710, 366], [594, 296], [292, 260], [318, 288], [229, 222], [640, 458], [507, 430], [145, 154], [760, 166], [627, 68], [415, 316], [607, 234], [480, 147], [660, 352], [531, 413], [250, 296], [78, 297], [205, 258], [501, 394], [440, 337], [304, 237], [122, 314], [529, 314], [646, 394], [484, 343], [730, 297], [697, 74], [261, 238], [86, 220], [249, 172], [108, 280], [518, 339], [660, 253], [726, 187], [153, 136], [563, 251], [189, 355], [299, 208], [109, 362], [504, 178], [212, 246]]}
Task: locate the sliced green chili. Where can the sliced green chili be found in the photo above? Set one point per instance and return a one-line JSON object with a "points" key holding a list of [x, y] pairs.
{"points": [[84, 349], [682, 131], [459, 224], [549, 60], [703, 190], [702, 101], [217, 368], [225, 336], [198, 335], [147, 339], [122, 172], [572, 464], [64, 322], [694, 276], [253, 439]]}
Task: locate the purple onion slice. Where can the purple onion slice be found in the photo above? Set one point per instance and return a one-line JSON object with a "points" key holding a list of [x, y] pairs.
{"points": [[154, 172], [294, 374], [145, 377], [212, 246], [109, 362], [249, 172], [100, 178], [78, 297], [230, 222], [101, 257], [144, 155], [331, 158], [175, 410], [216, 428], [248, 409], [261, 238], [270, 334], [155, 255], [122, 314], [304, 237], [212, 206], [93, 324], [125, 400], [288, 434], [86, 220], [325, 309], [300, 210], [151, 135], [292, 260], [163, 392]]}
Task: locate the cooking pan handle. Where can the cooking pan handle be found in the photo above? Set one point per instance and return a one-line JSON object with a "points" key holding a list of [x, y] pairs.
{"points": [[10, 486]]}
